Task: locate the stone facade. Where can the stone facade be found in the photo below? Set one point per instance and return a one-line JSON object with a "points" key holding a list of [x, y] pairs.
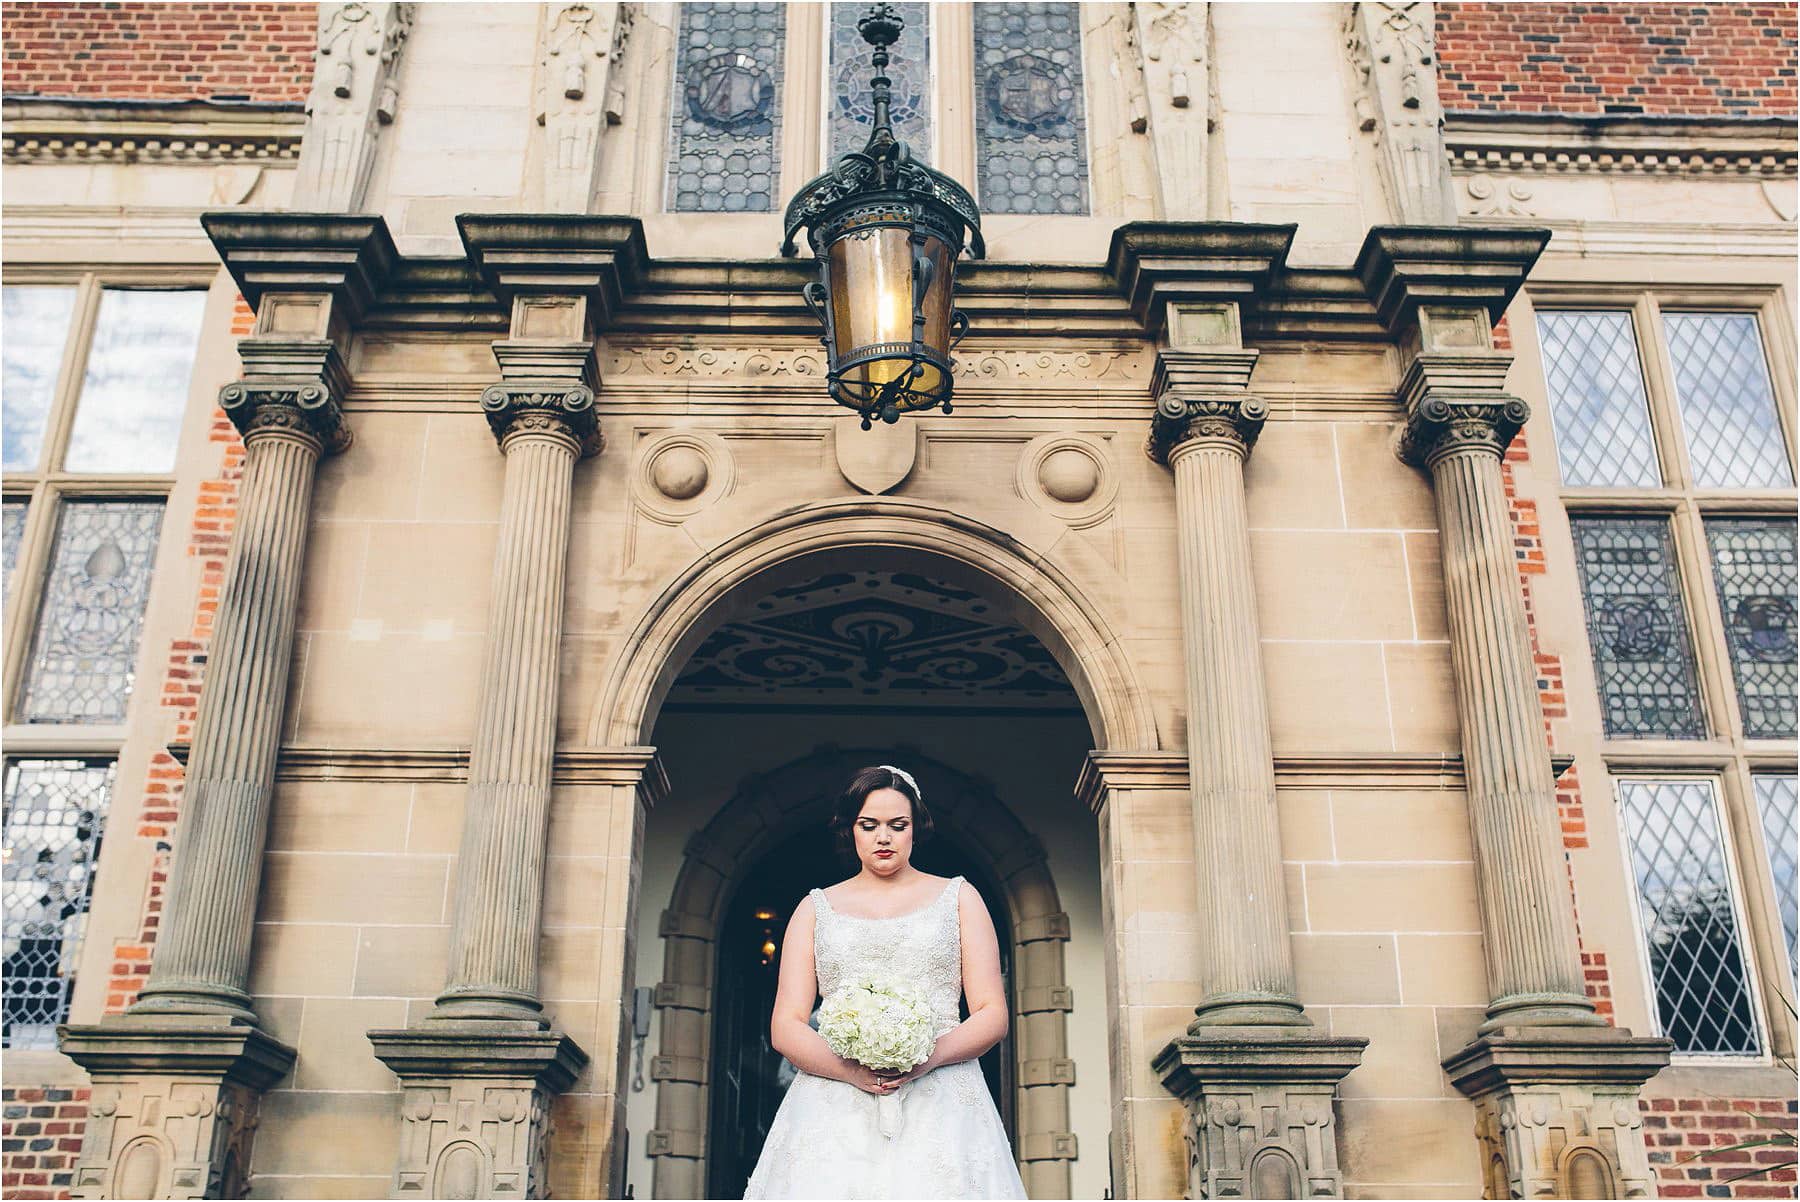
{"points": [[1272, 734]]}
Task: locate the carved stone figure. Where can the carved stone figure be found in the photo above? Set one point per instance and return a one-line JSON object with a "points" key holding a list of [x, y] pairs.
{"points": [[1176, 47], [1396, 59], [354, 95], [578, 93]]}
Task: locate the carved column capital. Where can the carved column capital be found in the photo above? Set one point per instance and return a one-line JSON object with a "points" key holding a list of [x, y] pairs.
{"points": [[294, 408], [1440, 427], [1201, 397], [551, 408]]}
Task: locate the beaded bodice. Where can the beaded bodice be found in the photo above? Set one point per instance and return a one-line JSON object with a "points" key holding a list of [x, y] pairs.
{"points": [[922, 949]]}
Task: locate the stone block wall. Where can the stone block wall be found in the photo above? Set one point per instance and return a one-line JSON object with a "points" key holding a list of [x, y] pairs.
{"points": [[256, 52], [1596, 59]]}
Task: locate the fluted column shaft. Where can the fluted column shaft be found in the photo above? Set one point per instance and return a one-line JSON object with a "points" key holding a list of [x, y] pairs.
{"points": [[500, 876], [202, 959], [1246, 960], [1533, 958]]}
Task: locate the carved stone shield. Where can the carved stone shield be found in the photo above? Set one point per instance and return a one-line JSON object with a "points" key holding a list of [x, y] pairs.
{"points": [[877, 459]]}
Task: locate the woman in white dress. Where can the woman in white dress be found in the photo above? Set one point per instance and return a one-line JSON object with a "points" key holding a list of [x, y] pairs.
{"points": [[828, 1139]]}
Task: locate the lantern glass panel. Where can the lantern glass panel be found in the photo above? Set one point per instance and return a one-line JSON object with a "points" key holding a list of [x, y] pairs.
{"points": [[870, 276]]}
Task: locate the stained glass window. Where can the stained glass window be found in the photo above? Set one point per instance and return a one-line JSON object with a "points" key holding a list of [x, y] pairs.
{"points": [[55, 811], [1689, 921], [725, 116], [1754, 569], [93, 610], [36, 320], [1776, 799], [1637, 628], [13, 529], [1031, 124], [1727, 405], [1597, 399], [136, 385], [850, 112]]}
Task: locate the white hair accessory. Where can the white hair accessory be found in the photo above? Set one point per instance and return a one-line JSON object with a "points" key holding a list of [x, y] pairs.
{"points": [[906, 776]]}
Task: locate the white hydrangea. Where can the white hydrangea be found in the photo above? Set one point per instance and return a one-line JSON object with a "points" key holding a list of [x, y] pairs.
{"points": [[879, 1024]]}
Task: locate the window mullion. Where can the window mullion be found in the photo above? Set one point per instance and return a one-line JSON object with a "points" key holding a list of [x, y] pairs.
{"points": [[74, 371], [28, 587], [1659, 383], [1718, 689], [1761, 905]]}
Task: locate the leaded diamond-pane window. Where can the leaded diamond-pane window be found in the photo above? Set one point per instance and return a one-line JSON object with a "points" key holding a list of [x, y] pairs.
{"points": [[1031, 123], [1727, 405], [136, 384], [1637, 628], [36, 320], [1688, 918], [55, 810], [1776, 799], [1597, 400], [725, 116], [1754, 569], [93, 610], [850, 112], [12, 528]]}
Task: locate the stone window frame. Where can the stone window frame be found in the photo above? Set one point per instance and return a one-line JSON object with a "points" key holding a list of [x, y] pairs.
{"points": [[1725, 756], [45, 488]]}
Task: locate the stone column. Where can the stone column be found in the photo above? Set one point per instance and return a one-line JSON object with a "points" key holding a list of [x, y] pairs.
{"points": [[1555, 1089], [487, 1048], [1257, 1080], [177, 1078]]}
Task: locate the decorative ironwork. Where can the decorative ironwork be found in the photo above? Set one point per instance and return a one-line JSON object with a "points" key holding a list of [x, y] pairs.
{"points": [[887, 231], [37, 325], [1688, 917], [852, 107], [55, 812], [873, 640], [1754, 570], [1777, 798], [12, 528], [1727, 404], [1637, 628], [1597, 400], [81, 662], [725, 127], [1031, 133], [136, 386]]}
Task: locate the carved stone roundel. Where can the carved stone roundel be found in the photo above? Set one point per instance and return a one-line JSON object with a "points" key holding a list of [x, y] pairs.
{"points": [[679, 472], [1069, 476]]}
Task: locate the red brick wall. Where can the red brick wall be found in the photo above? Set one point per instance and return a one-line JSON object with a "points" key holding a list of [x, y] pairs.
{"points": [[1675, 1129], [144, 51], [1670, 59], [40, 1140]]}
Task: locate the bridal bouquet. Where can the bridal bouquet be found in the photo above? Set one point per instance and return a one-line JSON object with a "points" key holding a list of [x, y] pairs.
{"points": [[884, 1026]]}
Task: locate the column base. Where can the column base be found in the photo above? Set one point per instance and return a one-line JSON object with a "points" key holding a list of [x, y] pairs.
{"points": [[1260, 1104], [475, 1121], [1557, 1110], [174, 1103]]}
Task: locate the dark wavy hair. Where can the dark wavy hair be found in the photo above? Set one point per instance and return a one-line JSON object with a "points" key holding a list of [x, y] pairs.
{"points": [[856, 793]]}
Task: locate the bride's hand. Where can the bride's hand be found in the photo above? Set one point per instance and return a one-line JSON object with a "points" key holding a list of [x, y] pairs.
{"points": [[914, 1073], [870, 1081]]}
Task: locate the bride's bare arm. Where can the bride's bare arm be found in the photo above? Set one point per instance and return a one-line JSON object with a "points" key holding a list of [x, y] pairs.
{"points": [[986, 1024], [795, 990]]}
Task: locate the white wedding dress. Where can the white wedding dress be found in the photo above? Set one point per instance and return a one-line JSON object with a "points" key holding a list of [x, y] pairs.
{"points": [[827, 1141]]}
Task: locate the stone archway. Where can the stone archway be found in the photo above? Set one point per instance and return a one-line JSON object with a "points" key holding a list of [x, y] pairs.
{"points": [[1036, 595], [764, 809]]}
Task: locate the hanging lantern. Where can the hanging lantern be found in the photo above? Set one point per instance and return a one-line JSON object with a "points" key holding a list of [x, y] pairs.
{"points": [[887, 231]]}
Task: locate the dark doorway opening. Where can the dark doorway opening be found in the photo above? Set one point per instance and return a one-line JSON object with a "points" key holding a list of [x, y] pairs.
{"points": [[749, 1078]]}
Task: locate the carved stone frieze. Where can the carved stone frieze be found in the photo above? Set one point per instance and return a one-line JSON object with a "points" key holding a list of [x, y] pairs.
{"points": [[554, 407], [1261, 1120], [1395, 56], [1504, 197], [305, 408], [354, 96], [577, 97], [778, 364]]}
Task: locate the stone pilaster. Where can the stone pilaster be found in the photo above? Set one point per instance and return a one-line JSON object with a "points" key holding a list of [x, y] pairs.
{"points": [[1393, 52], [178, 1076], [488, 1049], [355, 96], [578, 96], [1556, 1089]]}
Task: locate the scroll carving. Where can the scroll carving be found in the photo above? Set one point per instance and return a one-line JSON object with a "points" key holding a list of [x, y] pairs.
{"points": [[308, 410], [1392, 47], [523, 408], [354, 95]]}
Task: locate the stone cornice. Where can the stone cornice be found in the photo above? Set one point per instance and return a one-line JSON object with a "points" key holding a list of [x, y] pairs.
{"points": [[183, 1044], [347, 256], [1763, 147], [1458, 267], [1515, 1056], [602, 258], [1154, 262], [44, 129]]}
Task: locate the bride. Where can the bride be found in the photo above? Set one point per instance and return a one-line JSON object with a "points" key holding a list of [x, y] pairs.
{"points": [[889, 920]]}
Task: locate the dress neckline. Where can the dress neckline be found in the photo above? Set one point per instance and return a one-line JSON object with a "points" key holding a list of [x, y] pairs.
{"points": [[889, 917]]}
